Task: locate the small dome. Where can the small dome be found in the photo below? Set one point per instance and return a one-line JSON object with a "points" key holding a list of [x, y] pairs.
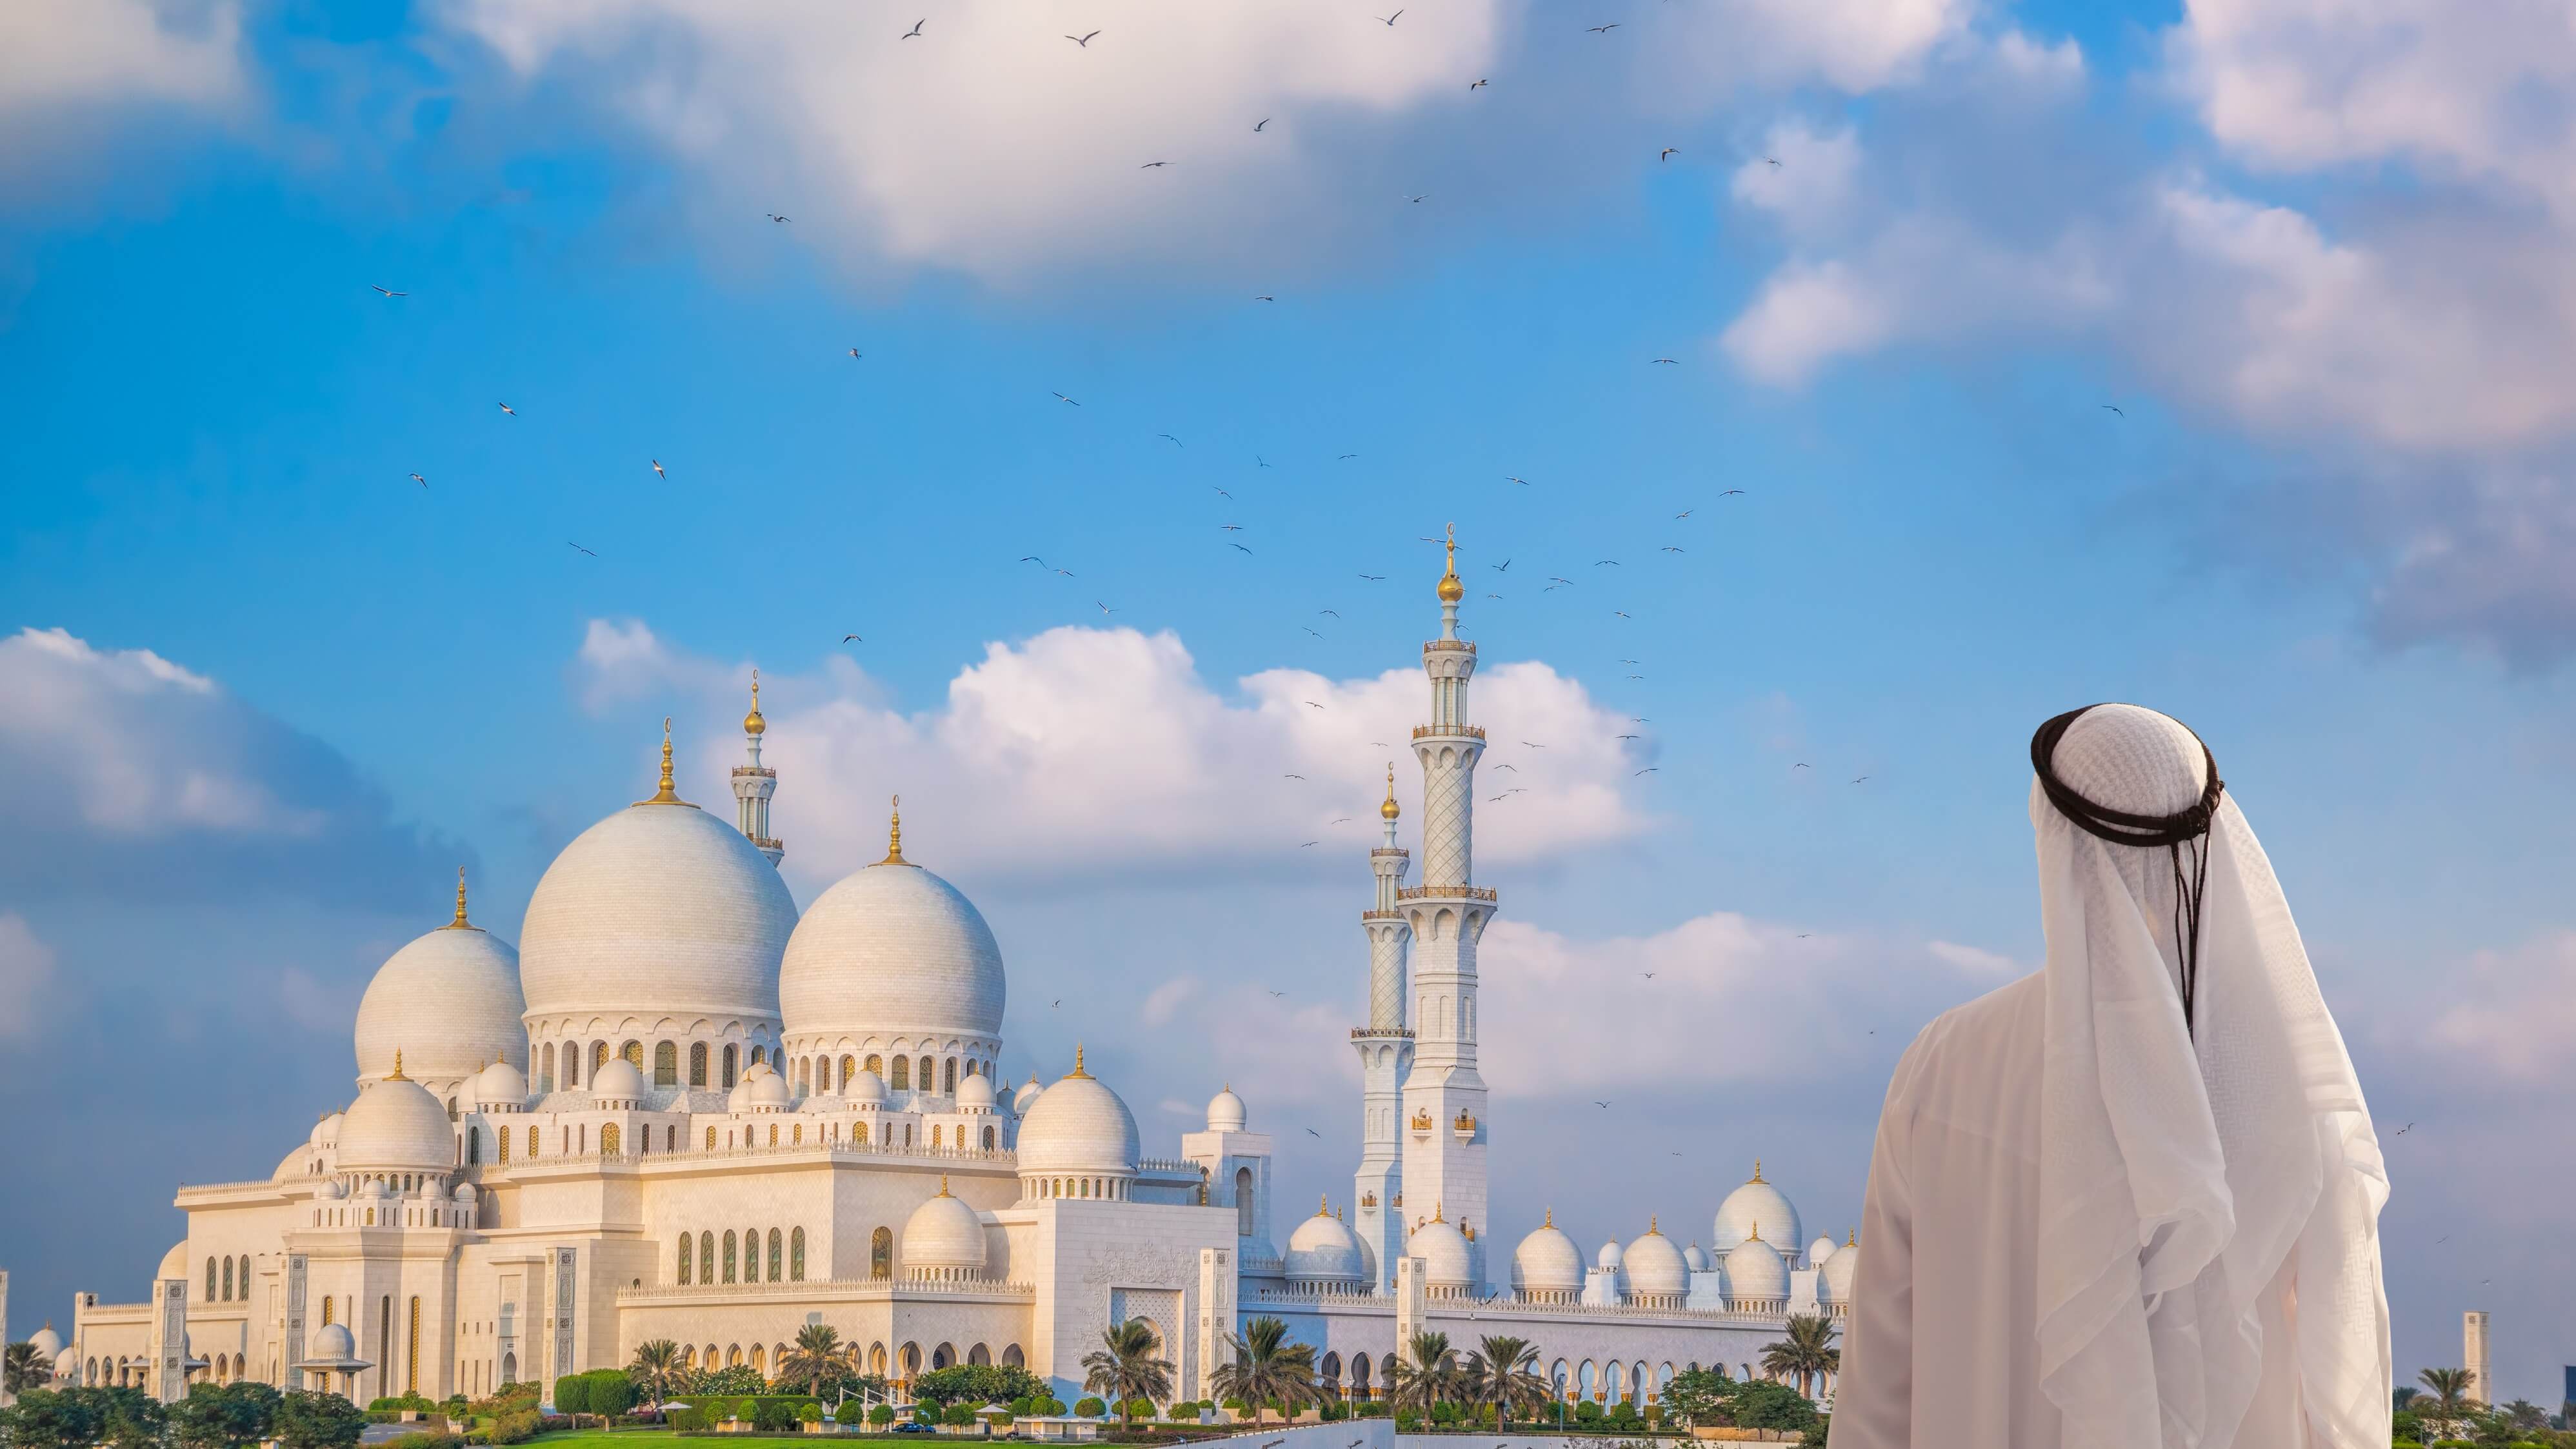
{"points": [[943, 1233], [1323, 1248], [1443, 1249], [1547, 1261], [67, 1367], [617, 1080], [328, 1190], [449, 1002], [1834, 1280], [464, 1192], [293, 1165], [1609, 1256], [768, 1090], [974, 1092], [396, 1124], [1078, 1126], [1757, 1203], [1025, 1095], [501, 1085], [47, 1343], [1654, 1264], [1819, 1250], [373, 1187], [1696, 1258], [892, 949], [330, 1343], [174, 1263], [1225, 1111], [867, 1089], [1755, 1269], [326, 1131]]}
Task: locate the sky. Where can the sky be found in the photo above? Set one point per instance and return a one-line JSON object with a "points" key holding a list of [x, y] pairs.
{"points": [[1823, 393]]}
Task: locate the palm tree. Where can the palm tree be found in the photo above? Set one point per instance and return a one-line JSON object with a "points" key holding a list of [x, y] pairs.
{"points": [[657, 1369], [26, 1369], [1806, 1353], [2527, 1415], [1504, 1373], [1431, 1377], [2450, 1391], [818, 1358], [1267, 1369], [1126, 1366]]}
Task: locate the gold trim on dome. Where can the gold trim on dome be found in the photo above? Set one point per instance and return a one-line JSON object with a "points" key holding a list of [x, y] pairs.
{"points": [[1451, 590], [1435, 1212], [943, 1184], [752, 723], [460, 923], [1756, 1235]]}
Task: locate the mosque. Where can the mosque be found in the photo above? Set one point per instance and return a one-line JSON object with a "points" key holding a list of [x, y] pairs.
{"points": [[681, 1109]]}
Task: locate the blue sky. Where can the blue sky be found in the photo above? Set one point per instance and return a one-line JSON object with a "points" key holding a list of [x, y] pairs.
{"points": [[292, 689]]}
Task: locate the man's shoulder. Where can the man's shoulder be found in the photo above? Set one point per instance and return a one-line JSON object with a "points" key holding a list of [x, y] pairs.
{"points": [[1978, 1025]]}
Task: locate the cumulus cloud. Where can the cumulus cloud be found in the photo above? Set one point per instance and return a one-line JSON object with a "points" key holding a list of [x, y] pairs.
{"points": [[114, 52], [120, 769], [26, 977], [2512, 1012], [1803, 175], [1092, 749], [1165, 1000]]}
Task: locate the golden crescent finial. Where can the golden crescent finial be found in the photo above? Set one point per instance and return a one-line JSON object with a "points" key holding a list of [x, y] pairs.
{"points": [[1390, 810], [666, 795], [460, 923], [1451, 590], [894, 836], [1757, 1169], [752, 723], [1077, 1064], [397, 1075]]}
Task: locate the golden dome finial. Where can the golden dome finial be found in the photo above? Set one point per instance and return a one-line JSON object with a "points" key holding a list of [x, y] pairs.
{"points": [[1390, 810], [1654, 1226], [894, 836], [1323, 1207], [1851, 1237], [460, 923], [666, 795], [1435, 1213], [1551, 1217], [397, 1075], [1077, 1065], [1756, 1235], [1757, 1169], [752, 723], [943, 1184], [1451, 591]]}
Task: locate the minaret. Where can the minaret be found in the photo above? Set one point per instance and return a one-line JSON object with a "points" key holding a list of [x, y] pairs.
{"points": [[1386, 1053], [1444, 1133], [755, 782]]}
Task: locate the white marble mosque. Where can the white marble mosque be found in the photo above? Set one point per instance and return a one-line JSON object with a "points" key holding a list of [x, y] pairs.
{"points": [[683, 1109]]}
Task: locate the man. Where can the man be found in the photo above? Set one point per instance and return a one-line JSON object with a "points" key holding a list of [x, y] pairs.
{"points": [[2130, 1202]]}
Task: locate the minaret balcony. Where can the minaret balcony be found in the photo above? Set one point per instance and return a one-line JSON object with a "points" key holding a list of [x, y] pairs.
{"points": [[1473, 732], [1447, 892], [1449, 646], [754, 772], [1387, 1033], [1381, 915]]}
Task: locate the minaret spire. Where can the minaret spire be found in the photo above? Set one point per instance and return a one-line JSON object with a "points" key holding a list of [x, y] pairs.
{"points": [[1386, 1053], [754, 783]]}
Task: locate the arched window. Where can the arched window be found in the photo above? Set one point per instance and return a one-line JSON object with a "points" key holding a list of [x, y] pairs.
{"points": [[773, 1134], [210, 1278], [848, 1066], [988, 1139], [598, 1058], [950, 1077], [760, 1360], [1013, 1358], [730, 1058], [751, 1255], [796, 1256], [670, 1137], [759, 1054], [572, 1064], [929, 1073], [1243, 1201], [729, 1250], [473, 1144], [666, 1064], [777, 1256], [934, 1135], [876, 1064], [902, 1074], [822, 1074], [687, 1243], [697, 1064], [888, 1139], [546, 1069], [881, 1253]]}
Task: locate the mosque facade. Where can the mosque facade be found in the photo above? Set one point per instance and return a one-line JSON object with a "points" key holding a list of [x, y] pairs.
{"points": [[681, 1109]]}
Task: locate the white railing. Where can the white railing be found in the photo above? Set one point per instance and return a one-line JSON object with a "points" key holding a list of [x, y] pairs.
{"points": [[842, 1148], [1745, 1310], [889, 1288], [1167, 1164]]}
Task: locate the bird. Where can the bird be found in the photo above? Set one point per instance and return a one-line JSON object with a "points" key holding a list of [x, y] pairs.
{"points": [[1633, 676], [1557, 579], [1631, 737], [1601, 29], [657, 470], [1667, 153], [1264, 299], [1231, 544], [2116, 410], [1033, 558], [1311, 1132], [1311, 630], [388, 292], [1231, 527], [1310, 842], [774, 216], [1503, 567], [1329, 613], [1803, 935], [1774, 160], [1612, 562], [505, 407], [1493, 596], [1599, 1103], [1277, 993], [1515, 769], [1344, 457], [1802, 765], [416, 478], [2402, 1131], [1104, 608], [1534, 745], [1389, 22], [1417, 200], [852, 638], [1685, 513], [1858, 778], [1649, 770], [1669, 548], [1264, 122], [1292, 777], [568, 543], [1175, 442], [1730, 493], [1310, 704], [1374, 578], [1060, 397], [1478, 85], [1221, 493], [1150, 165], [1667, 361], [854, 353], [1649, 975], [1508, 478], [1082, 40], [1258, 462]]}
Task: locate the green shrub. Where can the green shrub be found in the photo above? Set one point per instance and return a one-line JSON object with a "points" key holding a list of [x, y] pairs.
{"points": [[850, 1412], [572, 1394], [1091, 1407], [958, 1415], [809, 1413], [1049, 1406], [1587, 1412], [770, 1415], [685, 1418], [881, 1415], [516, 1428], [1407, 1421]]}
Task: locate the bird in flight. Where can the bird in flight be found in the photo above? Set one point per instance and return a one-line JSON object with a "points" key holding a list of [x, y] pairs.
{"points": [[1257, 461], [1503, 567], [1601, 29], [1104, 608], [1082, 40], [1166, 437], [1389, 20], [1264, 299], [1231, 527], [1276, 993], [1649, 770], [852, 638], [1221, 493], [2402, 1131], [568, 543], [1292, 777], [1731, 492], [1374, 578], [1264, 122], [1345, 457], [915, 30], [1310, 704], [1649, 975], [1417, 200], [1601, 1104], [1033, 558], [1667, 153], [1612, 562], [1508, 478], [389, 293], [1624, 614], [1632, 737], [1515, 769], [1667, 361], [1150, 165], [774, 216], [1774, 160], [2116, 410], [1802, 765], [1859, 779], [1669, 548], [657, 471], [1310, 842], [1556, 579], [1331, 613], [1493, 596], [1060, 397], [505, 407], [1478, 85], [416, 478], [1685, 513], [1232, 544], [1534, 746]]}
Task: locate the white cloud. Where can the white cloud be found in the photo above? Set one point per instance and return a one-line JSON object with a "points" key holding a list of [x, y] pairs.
{"points": [[1853, 46], [26, 977], [1977, 961], [1087, 749], [1165, 1000], [1811, 183], [2512, 1012], [119, 52]]}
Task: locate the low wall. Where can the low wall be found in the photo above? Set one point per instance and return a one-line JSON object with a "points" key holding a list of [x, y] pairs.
{"points": [[1348, 1434]]}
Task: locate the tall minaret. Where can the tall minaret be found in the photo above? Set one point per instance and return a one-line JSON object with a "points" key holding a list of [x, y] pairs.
{"points": [[1444, 1132], [1386, 1053], [755, 782]]}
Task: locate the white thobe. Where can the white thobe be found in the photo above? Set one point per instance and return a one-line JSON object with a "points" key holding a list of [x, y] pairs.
{"points": [[1941, 1350]]}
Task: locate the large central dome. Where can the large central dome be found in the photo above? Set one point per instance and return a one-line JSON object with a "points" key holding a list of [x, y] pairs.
{"points": [[892, 951], [660, 909]]}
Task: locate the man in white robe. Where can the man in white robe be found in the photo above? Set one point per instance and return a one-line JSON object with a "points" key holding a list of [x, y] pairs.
{"points": [[2132, 1201]]}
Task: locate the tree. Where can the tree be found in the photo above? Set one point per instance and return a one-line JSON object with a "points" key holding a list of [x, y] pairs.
{"points": [[818, 1358], [134, 1419], [1701, 1397], [1429, 1377], [1503, 1373], [1127, 1365], [2449, 1390], [976, 1384], [2524, 1414], [307, 1419], [1763, 1405], [657, 1370], [1267, 1368], [25, 1369], [1806, 1354], [45, 1419], [735, 1380], [218, 1418]]}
